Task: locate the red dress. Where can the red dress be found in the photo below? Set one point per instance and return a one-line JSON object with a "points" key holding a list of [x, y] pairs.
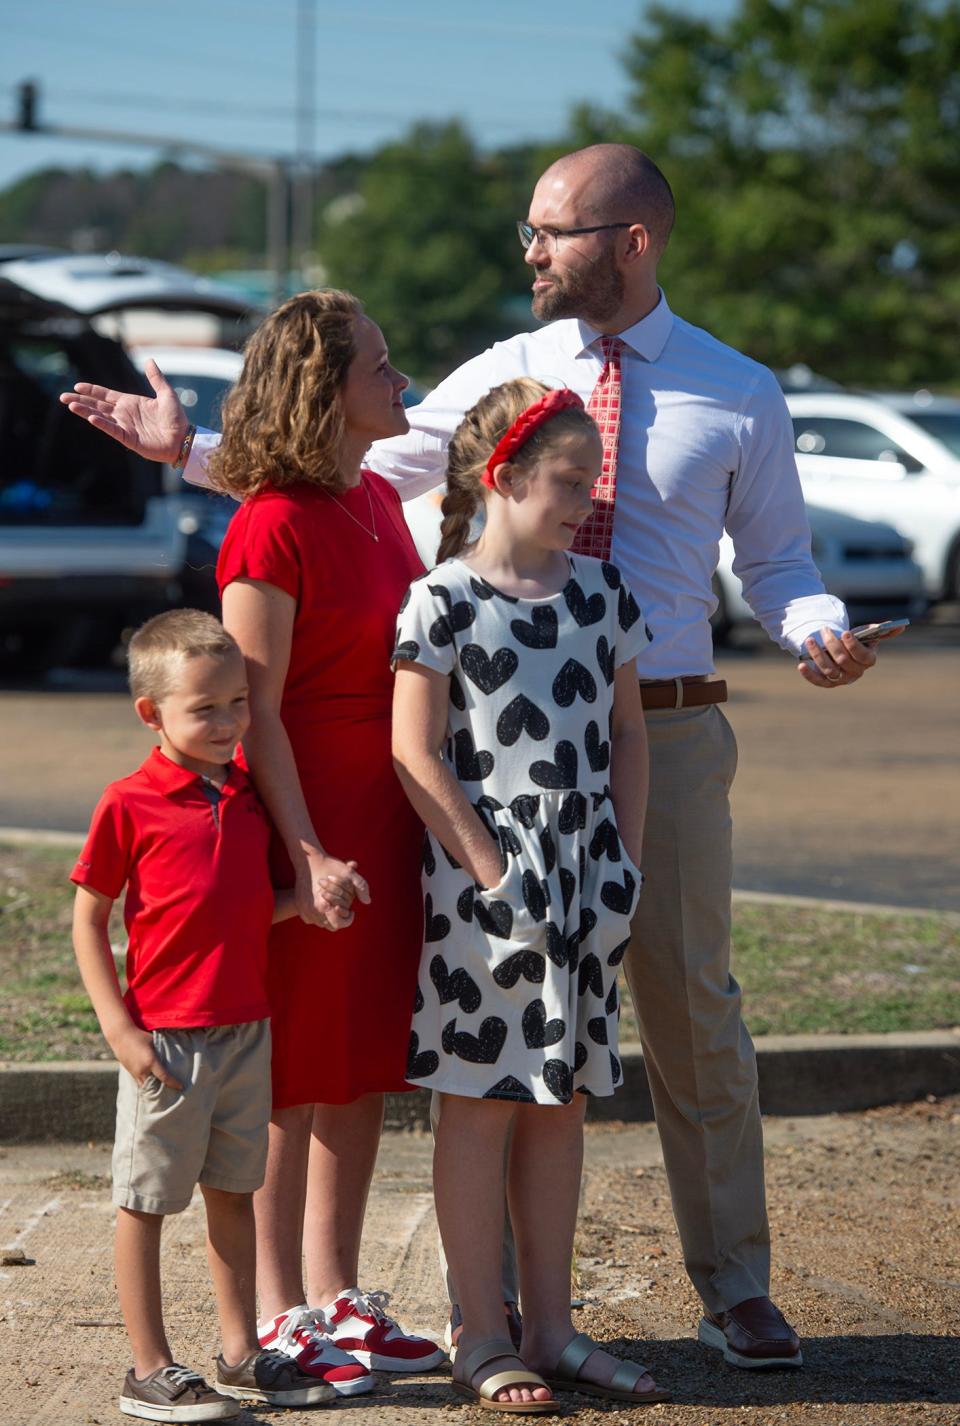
{"points": [[341, 1003]]}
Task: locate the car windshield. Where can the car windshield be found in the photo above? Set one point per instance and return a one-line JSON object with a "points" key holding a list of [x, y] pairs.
{"points": [[201, 396], [943, 425]]}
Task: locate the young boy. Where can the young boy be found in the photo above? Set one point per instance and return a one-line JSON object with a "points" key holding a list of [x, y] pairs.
{"points": [[188, 837]]}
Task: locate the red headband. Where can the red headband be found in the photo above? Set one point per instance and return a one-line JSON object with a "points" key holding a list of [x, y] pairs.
{"points": [[560, 399]]}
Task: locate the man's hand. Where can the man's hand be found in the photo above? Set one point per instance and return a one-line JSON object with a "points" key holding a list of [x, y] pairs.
{"points": [[841, 660], [153, 427], [134, 1048], [325, 890]]}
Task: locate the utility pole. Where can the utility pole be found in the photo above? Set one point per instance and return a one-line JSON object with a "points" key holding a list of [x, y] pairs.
{"points": [[274, 172]]}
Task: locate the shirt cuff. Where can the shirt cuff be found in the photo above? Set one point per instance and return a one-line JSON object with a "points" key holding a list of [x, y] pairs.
{"points": [[805, 617], [195, 470]]}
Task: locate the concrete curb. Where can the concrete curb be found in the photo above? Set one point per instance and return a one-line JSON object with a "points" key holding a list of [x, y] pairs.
{"points": [[799, 1075]]}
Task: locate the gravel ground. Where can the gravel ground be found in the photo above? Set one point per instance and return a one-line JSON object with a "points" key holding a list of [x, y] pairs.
{"points": [[866, 1217]]}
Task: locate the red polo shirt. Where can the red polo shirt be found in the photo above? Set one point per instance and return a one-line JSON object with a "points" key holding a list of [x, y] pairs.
{"points": [[199, 901]]}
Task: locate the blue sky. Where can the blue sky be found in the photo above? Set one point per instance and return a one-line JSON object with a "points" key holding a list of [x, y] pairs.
{"points": [[224, 72]]}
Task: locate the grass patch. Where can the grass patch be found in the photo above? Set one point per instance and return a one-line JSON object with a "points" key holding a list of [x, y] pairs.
{"points": [[803, 970]]}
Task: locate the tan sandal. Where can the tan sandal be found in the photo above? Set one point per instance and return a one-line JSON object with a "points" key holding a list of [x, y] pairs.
{"points": [[621, 1387], [468, 1365]]}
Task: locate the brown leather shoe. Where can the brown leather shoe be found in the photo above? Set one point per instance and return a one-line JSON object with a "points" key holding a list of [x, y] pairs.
{"points": [[753, 1334]]}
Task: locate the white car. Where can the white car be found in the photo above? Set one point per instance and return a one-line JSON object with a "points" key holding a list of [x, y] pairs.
{"points": [[888, 457]]}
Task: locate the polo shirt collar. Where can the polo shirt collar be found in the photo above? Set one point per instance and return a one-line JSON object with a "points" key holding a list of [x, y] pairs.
{"points": [[170, 778], [647, 338]]}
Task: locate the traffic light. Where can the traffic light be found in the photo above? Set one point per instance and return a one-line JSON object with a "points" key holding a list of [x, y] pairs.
{"points": [[27, 95]]}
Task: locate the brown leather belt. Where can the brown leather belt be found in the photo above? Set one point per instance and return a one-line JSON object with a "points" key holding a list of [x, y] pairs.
{"points": [[683, 692]]}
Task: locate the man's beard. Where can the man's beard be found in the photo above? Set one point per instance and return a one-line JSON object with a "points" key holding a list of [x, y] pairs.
{"points": [[595, 294]]}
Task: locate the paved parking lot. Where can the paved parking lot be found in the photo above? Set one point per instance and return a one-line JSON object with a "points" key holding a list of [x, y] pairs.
{"points": [[848, 794]]}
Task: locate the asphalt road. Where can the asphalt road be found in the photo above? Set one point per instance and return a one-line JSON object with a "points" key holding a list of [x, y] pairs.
{"points": [[849, 794]]}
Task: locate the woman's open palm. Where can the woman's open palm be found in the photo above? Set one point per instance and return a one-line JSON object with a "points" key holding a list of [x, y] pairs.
{"points": [[151, 426]]}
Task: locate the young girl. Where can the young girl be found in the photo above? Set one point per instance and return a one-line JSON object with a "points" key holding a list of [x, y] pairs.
{"points": [[520, 740]]}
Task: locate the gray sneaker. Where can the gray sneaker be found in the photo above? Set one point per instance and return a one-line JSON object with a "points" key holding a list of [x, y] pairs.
{"points": [[174, 1393], [273, 1378]]}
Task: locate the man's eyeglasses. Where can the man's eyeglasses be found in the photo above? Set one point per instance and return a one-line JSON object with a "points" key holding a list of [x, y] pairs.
{"points": [[549, 238]]}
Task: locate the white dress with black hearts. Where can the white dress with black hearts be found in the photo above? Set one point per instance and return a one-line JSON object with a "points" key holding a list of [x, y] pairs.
{"points": [[517, 993]]}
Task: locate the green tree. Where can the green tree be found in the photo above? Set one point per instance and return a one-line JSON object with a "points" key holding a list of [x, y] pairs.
{"points": [[428, 243], [814, 149]]}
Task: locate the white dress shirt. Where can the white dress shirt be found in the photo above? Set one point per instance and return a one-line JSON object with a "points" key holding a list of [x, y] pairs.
{"points": [[706, 443]]}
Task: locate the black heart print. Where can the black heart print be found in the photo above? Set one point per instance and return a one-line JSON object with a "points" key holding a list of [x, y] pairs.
{"points": [[465, 904], [597, 1029], [562, 772], [591, 976], [525, 809], [585, 611], [459, 616], [418, 1001], [628, 610], [529, 964], [538, 1031], [535, 895], [509, 844], [483, 590], [548, 850], [558, 1078], [582, 864], [471, 765], [404, 601], [612, 1002], [488, 672], [429, 860], [616, 1073], [540, 632], [556, 945], [522, 716], [450, 859], [611, 574], [495, 918], [510, 1088], [455, 985], [573, 813], [572, 679], [457, 696], [605, 659], [480, 1049], [409, 649], [605, 841], [598, 754], [618, 953], [435, 928], [616, 897], [599, 798], [588, 919], [568, 887], [580, 1053], [420, 1066], [488, 803]]}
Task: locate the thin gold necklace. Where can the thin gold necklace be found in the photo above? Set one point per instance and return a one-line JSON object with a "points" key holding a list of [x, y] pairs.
{"points": [[373, 519]]}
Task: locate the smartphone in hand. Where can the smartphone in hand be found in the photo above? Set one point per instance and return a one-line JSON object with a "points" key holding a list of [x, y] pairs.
{"points": [[873, 633]]}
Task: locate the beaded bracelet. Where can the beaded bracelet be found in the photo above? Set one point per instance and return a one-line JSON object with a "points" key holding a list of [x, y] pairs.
{"points": [[184, 452]]}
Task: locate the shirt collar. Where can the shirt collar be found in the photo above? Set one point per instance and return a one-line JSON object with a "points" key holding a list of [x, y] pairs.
{"points": [[647, 338], [170, 778]]}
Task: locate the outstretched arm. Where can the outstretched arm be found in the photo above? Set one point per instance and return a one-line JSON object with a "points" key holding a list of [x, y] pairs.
{"points": [[150, 426]]}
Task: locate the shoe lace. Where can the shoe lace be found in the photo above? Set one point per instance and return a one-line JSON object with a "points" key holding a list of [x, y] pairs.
{"points": [[182, 1376], [373, 1304], [309, 1320]]}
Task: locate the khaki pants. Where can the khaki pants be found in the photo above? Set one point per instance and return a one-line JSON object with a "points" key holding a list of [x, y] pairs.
{"points": [[700, 1060], [699, 1057]]}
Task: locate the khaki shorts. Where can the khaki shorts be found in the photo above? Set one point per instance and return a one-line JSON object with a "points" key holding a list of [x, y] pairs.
{"points": [[212, 1132]]}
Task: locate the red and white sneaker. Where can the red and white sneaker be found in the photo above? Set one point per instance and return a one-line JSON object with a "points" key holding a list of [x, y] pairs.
{"points": [[359, 1325], [301, 1333]]}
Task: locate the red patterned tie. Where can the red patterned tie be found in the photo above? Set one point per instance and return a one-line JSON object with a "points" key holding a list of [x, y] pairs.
{"points": [[595, 535]]}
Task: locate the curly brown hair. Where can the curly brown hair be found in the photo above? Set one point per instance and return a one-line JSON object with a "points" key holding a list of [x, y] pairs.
{"points": [[283, 420], [472, 444]]}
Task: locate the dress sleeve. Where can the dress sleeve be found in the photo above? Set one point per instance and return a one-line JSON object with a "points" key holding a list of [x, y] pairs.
{"points": [[633, 634], [424, 631], [107, 857], [261, 543]]}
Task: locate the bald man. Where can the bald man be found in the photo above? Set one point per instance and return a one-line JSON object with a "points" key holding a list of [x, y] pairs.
{"points": [[704, 444]]}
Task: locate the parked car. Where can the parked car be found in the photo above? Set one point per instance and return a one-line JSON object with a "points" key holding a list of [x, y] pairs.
{"points": [[893, 457], [90, 540]]}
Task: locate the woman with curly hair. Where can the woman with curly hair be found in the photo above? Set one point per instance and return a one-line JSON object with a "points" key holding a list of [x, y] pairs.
{"points": [[312, 572]]}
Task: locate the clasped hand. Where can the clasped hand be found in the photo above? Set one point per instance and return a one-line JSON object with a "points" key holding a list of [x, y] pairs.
{"points": [[325, 891], [135, 1050]]}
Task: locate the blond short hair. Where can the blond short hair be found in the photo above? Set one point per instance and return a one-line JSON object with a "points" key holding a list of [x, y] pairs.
{"points": [[159, 646]]}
